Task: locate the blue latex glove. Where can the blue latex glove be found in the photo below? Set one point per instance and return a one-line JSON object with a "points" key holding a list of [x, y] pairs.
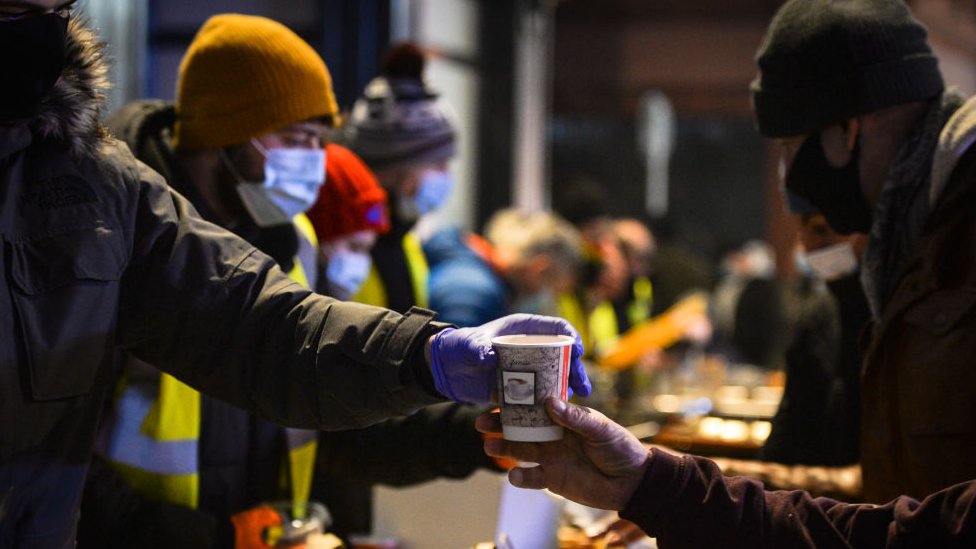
{"points": [[463, 361]]}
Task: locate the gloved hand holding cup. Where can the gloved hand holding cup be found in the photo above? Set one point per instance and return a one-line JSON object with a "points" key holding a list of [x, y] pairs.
{"points": [[464, 361]]}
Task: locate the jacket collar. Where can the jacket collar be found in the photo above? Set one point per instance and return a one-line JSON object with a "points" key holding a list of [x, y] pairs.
{"points": [[13, 139], [70, 113], [958, 135]]}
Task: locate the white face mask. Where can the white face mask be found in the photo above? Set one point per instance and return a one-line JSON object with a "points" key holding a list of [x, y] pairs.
{"points": [[833, 262], [292, 178], [347, 271]]}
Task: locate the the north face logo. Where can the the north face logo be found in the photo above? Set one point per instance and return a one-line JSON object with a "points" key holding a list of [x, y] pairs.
{"points": [[59, 192]]}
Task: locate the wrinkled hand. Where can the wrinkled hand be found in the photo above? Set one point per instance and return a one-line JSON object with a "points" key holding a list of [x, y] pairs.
{"points": [[463, 361], [597, 463]]}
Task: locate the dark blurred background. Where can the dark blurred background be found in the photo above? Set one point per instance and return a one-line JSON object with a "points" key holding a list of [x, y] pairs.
{"points": [[646, 99]]}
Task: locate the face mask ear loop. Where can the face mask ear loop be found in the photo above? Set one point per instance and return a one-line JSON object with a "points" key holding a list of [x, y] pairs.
{"points": [[230, 166], [260, 148]]}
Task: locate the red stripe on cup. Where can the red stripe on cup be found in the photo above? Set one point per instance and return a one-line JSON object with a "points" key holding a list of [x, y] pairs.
{"points": [[564, 391]]}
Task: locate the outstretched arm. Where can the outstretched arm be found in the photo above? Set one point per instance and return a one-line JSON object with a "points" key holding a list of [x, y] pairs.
{"points": [[206, 307], [687, 502]]}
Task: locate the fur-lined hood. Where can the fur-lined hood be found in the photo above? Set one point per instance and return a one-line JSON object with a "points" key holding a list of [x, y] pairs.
{"points": [[71, 111], [957, 136]]}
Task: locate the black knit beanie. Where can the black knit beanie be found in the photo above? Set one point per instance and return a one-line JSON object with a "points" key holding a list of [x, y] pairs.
{"points": [[824, 61]]}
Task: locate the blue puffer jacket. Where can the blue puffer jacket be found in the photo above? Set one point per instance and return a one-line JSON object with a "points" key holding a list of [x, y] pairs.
{"points": [[464, 289]]}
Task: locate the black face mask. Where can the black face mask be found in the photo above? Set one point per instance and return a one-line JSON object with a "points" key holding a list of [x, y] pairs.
{"points": [[836, 192], [31, 61]]}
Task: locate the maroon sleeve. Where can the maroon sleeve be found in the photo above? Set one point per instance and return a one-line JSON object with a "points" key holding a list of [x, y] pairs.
{"points": [[687, 502]]}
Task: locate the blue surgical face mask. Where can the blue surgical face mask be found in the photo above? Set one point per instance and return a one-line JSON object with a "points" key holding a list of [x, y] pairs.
{"points": [[347, 271], [292, 178], [435, 187]]}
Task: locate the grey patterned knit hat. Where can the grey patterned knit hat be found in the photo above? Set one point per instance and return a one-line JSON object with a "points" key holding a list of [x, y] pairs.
{"points": [[399, 122]]}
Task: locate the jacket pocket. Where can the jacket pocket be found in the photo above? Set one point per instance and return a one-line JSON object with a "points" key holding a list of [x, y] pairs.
{"points": [[65, 295], [942, 311], [936, 358]]}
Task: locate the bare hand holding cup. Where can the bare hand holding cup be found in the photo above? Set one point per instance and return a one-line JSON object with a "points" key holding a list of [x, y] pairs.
{"points": [[597, 463]]}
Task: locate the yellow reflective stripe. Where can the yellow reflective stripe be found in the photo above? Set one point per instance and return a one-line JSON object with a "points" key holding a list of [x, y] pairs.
{"points": [[180, 489], [640, 308], [301, 460], [603, 327], [297, 273], [302, 465], [571, 309], [419, 271], [372, 292], [305, 227], [129, 444], [175, 415], [308, 253]]}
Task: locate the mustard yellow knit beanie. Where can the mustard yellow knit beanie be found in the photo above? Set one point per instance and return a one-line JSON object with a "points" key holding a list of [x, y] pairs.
{"points": [[245, 76]]}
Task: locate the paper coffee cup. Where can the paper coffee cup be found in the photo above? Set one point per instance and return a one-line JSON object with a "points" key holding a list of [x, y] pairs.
{"points": [[530, 369]]}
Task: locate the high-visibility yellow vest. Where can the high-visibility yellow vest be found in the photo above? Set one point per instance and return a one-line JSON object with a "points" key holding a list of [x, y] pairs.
{"points": [[603, 327], [599, 329], [572, 310], [154, 441], [374, 293], [640, 308], [305, 267]]}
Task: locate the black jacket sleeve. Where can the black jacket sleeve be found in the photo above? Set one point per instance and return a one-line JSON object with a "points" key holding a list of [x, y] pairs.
{"points": [[437, 441], [686, 502]]}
